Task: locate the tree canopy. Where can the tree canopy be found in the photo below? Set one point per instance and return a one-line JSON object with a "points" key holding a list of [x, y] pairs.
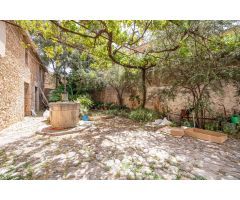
{"points": [[145, 44]]}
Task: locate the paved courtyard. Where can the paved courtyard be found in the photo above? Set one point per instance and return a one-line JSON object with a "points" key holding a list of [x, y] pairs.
{"points": [[114, 148]]}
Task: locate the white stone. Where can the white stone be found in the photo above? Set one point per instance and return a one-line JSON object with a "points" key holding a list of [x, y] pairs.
{"points": [[181, 158], [117, 162]]}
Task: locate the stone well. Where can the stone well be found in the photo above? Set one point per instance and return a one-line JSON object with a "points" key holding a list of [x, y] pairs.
{"points": [[64, 114]]}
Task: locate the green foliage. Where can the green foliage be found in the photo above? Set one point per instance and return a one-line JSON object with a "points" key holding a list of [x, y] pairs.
{"points": [[118, 107], [144, 115], [9, 176], [195, 55], [187, 123], [136, 98], [229, 128], [85, 101], [199, 178], [175, 123], [120, 79], [55, 95], [118, 112], [98, 105], [82, 77], [212, 126], [108, 106]]}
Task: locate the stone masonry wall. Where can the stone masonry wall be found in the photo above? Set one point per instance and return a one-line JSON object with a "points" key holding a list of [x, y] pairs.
{"points": [[228, 99], [14, 74]]}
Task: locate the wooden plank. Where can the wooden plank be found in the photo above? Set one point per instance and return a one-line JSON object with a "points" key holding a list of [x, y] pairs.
{"points": [[177, 132], [202, 134], [45, 102]]}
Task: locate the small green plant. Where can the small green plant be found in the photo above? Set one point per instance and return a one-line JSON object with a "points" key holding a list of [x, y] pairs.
{"points": [[187, 123], [117, 112], [229, 128], [85, 100], [10, 177], [55, 95], [199, 178], [144, 115], [117, 107], [85, 103], [178, 177], [212, 126], [175, 124], [136, 98], [29, 174], [98, 105]]}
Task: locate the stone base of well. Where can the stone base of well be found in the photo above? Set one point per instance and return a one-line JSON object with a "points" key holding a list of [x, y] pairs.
{"points": [[64, 114], [50, 131]]}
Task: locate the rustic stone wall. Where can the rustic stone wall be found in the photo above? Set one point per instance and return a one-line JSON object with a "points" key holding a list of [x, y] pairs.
{"points": [[228, 100], [50, 81], [15, 75], [49, 84]]}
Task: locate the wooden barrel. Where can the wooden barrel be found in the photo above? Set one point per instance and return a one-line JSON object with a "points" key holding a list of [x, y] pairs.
{"points": [[64, 114]]}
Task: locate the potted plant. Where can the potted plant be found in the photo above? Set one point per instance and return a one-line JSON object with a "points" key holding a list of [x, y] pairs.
{"points": [[84, 113]]}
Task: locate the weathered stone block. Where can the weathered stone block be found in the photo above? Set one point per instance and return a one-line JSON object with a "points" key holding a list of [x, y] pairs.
{"points": [[64, 114]]}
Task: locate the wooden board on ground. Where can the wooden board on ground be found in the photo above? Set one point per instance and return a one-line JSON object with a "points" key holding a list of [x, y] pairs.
{"points": [[202, 134], [177, 132]]}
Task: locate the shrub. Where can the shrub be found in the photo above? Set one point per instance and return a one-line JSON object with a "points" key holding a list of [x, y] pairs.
{"points": [[85, 103], [229, 128], [187, 123], [118, 112], [144, 115], [98, 105], [85, 100], [108, 106], [212, 126], [175, 123], [117, 107], [55, 95]]}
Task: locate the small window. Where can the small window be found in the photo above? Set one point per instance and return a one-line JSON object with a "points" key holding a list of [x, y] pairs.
{"points": [[26, 57]]}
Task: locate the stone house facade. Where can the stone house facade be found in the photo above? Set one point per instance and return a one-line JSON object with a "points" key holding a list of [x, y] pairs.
{"points": [[21, 75], [49, 83]]}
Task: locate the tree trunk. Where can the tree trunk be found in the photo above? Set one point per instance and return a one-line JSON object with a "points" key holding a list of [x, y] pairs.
{"points": [[56, 81], [144, 88], [120, 99], [119, 95]]}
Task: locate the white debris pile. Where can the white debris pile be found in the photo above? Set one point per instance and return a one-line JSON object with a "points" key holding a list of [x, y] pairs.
{"points": [[159, 122], [46, 114], [34, 114], [85, 123]]}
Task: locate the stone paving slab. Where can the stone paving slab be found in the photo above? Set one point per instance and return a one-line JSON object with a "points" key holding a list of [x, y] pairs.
{"points": [[21, 129], [115, 148]]}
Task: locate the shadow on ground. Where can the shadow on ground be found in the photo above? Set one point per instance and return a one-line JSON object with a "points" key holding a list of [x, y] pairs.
{"points": [[118, 148]]}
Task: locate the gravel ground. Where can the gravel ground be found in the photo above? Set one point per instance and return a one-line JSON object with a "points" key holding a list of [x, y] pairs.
{"points": [[115, 148]]}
